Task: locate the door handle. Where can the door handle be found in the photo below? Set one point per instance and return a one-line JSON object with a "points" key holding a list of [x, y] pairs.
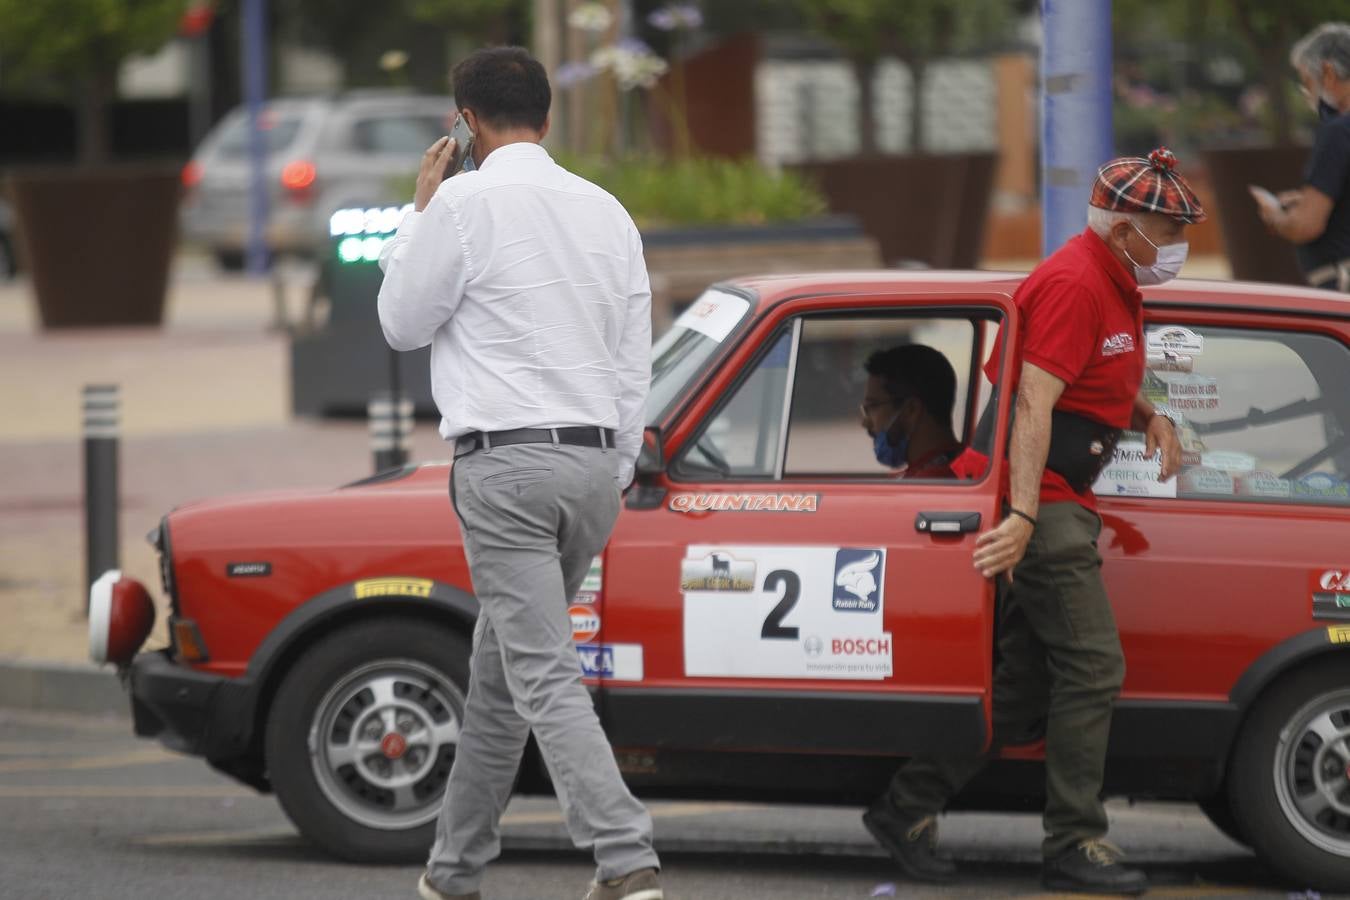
{"points": [[947, 522]]}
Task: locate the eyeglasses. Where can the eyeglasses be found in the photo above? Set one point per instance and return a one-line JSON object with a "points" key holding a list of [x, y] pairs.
{"points": [[867, 406]]}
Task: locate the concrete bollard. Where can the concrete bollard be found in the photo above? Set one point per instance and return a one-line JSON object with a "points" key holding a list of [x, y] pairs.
{"points": [[102, 428], [391, 427]]}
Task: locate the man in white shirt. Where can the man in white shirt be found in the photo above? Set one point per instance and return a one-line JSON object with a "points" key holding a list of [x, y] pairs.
{"points": [[529, 284]]}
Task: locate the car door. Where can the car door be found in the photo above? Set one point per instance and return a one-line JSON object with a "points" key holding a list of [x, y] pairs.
{"points": [[1230, 557], [776, 587]]}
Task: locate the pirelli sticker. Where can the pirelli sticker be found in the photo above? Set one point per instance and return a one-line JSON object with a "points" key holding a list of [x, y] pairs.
{"points": [[1339, 634], [393, 587]]}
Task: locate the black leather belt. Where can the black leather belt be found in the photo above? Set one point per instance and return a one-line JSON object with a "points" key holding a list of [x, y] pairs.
{"points": [[576, 436]]}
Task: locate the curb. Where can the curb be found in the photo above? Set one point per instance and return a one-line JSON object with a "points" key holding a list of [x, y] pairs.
{"points": [[45, 686]]}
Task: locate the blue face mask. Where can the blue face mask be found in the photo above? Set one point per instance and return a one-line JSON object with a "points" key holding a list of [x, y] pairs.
{"points": [[892, 456]]}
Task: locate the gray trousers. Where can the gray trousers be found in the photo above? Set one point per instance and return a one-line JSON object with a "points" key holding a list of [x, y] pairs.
{"points": [[533, 516]]}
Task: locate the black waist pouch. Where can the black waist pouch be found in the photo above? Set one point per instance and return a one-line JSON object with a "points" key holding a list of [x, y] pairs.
{"points": [[1079, 448]]}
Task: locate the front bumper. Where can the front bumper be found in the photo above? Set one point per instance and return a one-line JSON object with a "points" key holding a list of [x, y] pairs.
{"points": [[189, 711]]}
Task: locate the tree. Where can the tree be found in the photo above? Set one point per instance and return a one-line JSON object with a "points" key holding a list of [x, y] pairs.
{"points": [[915, 31], [1268, 30], [77, 46]]}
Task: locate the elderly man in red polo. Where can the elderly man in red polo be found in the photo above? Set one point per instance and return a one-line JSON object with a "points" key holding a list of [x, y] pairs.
{"points": [[1080, 363]]}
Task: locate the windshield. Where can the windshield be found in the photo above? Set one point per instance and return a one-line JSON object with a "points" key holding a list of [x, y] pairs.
{"points": [[681, 353], [278, 130]]}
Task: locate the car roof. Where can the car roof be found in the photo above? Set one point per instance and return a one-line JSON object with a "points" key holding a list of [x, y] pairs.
{"points": [[774, 288]]}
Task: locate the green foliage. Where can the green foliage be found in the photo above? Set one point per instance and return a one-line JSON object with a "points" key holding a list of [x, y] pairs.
{"points": [[912, 29], [695, 191], [70, 40], [702, 190]]}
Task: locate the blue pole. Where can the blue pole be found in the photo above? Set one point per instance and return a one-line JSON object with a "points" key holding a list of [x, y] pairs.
{"points": [[254, 40], [1076, 130]]}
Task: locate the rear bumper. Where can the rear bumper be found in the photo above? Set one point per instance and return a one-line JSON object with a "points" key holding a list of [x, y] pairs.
{"points": [[189, 711]]}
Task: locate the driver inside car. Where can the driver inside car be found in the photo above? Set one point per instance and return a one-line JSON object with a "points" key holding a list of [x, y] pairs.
{"points": [[907, 412]]}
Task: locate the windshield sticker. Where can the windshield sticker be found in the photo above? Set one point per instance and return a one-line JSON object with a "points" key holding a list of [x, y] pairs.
{"points": [[393, 587], [1205, 480], [813, 612], [1339, 634], [1262, 484], [714, 314], [1228, 460], [1321, 485], [1186, 391], [698, 502], [1175, 339], [1132, 474], [1168, 361]]}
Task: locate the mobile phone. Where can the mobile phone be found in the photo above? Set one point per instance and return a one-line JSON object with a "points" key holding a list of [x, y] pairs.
{"points": [[463, 137], [1264, 196]]}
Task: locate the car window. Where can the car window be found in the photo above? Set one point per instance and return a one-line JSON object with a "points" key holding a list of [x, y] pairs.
{"points": [[742, 438], [826, 435], [279, 132], [399, 135], [682, 353], [1262, 416]]}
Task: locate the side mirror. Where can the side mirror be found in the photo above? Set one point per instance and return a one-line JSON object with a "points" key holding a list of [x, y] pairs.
{"points": [[651, 458]]}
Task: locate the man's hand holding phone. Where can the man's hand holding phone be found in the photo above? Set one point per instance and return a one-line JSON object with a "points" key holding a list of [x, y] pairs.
{"points": [[432, 172], [443, 159]]}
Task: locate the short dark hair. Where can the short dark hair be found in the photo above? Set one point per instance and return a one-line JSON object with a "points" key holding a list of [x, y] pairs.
{"points": [[504, 86], [917, 370]]}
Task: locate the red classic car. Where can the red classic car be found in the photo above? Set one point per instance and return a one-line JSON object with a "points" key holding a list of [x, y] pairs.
{"points": [[778, 617]]}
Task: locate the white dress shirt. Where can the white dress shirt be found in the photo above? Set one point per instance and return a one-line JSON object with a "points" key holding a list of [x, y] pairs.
{"points": [[529, 284]]}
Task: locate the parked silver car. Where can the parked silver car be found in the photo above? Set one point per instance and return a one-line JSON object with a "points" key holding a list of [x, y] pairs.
{"points": [[323, 154]]}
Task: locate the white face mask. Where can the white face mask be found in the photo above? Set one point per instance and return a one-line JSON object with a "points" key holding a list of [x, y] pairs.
{"points": [[1171, 257]]}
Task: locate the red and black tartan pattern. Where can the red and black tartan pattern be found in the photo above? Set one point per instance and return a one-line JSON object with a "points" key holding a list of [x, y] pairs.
{"points": [[1135, 184]]}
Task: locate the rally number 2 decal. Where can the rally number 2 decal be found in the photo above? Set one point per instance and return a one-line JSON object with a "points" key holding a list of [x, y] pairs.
{"points": [[773, 628]]}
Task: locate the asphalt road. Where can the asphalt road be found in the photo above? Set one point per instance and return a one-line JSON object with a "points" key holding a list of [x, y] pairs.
{"points": [[88, 811]]}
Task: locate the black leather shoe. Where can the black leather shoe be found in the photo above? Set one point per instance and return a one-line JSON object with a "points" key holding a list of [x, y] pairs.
{"points": [[1093, 867], [911, 843]]}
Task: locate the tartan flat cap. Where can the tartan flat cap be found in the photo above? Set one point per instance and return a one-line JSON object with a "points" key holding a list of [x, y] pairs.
{"points": [[1135, 184]]}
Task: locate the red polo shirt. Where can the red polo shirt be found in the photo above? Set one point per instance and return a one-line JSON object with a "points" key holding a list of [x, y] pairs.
{"points": [[1083, 322]]}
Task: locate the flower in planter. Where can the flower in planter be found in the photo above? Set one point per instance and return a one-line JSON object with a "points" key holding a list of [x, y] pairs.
{"points": [[677, 17], [591, 17], [632, 62], [574, 73]]}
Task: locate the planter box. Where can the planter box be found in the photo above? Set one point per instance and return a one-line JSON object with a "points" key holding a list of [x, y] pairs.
{"points": [[1254, 253], [98, 242], [927, 209], [683, 262]]}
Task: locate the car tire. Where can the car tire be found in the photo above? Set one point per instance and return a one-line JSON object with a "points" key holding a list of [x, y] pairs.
{"points": [[230, 260], [1219, 811], [361, 735], [1288, 784]]}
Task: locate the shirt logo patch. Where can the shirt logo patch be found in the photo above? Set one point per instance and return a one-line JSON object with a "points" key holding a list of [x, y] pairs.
{"points": [[1117, 344]]}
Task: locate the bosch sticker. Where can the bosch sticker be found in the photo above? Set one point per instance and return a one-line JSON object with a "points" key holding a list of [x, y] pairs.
{"points": [[393, 587], [692, 502], [811, 612]]}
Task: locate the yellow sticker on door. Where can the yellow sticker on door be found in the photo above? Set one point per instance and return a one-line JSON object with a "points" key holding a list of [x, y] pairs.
{"points": [[1339, 634], [393, 587]]}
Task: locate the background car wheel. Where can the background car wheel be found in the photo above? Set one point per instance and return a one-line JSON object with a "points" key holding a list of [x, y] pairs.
{"points": [[1220, 814], [361, 736], [230, 260], [1290, 781]]}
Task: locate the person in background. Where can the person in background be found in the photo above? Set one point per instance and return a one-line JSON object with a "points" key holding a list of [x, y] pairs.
{"points": [[1316, 216]]}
